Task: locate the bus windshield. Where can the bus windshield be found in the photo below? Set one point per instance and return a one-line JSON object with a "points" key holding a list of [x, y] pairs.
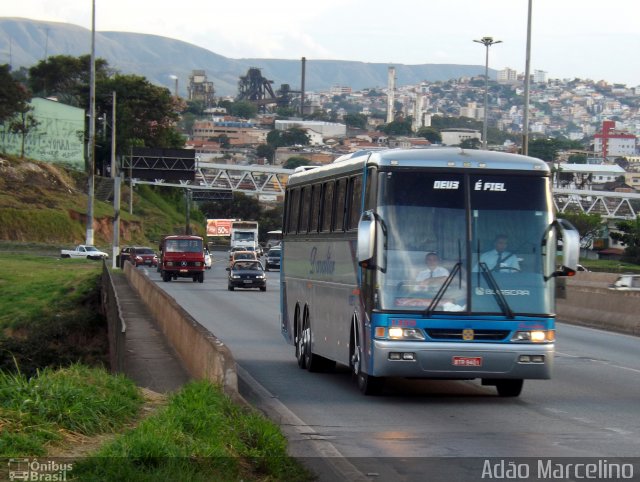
{"points": [[464, 243]]}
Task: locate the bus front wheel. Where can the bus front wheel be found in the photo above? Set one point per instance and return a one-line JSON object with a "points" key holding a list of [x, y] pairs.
{"points": [[367, 384], [509, 388]]}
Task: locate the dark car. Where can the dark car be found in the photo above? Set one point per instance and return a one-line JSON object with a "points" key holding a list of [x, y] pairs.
{"points": [[143, 256], [247, 274], [125, 255], [273, 258]]}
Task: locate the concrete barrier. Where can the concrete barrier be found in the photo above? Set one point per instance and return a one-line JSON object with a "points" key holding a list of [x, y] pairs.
{"points": [[589, 302], [202, 354]]}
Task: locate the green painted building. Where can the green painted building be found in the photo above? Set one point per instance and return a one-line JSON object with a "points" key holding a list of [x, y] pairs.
{"points": [[58, 136]]}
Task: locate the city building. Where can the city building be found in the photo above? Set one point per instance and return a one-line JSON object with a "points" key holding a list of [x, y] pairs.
{"points": [[472, 111], [325, 129], [588, 176], [200, 88], [57, 136], [453, 137], [507, 75], [612, 143], [237, 133]]}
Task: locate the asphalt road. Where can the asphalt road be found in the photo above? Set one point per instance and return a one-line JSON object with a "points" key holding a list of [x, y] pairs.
{"points": [[591, 407]]}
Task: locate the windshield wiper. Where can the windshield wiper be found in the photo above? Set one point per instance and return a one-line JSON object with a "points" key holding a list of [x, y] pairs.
{"points": [[491, 281], [443, 288]]}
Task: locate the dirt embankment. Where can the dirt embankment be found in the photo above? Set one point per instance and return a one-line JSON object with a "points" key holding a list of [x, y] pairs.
{"points": [[33, 192]]}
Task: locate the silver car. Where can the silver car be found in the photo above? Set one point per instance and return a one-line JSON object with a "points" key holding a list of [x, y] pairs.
{"points": [[626, 282]]}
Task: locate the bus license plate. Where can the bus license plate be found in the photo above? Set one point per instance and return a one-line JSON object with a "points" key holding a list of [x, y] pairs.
{"points": [[466, 361]]}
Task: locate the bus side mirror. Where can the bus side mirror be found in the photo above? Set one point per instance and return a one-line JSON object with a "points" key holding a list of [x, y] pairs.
{"points": [[366, 238], [570, 247]]}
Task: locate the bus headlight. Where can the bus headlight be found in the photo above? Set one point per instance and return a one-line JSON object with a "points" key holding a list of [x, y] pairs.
{"points": [[534, 336], [397, 333]]}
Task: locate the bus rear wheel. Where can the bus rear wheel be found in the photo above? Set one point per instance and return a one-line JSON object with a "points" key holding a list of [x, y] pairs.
{"points": [[509, 388], [367, 384]]}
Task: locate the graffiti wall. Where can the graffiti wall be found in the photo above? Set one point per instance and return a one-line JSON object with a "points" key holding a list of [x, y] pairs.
{"points": [[58, 136]]}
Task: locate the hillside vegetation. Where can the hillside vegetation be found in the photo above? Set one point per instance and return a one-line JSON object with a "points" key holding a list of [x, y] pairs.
{"points": [[47, 204]]}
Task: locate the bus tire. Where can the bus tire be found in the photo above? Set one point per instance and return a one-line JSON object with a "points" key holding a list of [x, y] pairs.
{"points": [[311, 362], [367, 384], [300, 342], [316, 363], [509, 388]]}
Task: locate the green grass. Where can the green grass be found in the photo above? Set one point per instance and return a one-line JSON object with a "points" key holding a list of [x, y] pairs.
{"points": [[35, 411], [610, 266], [50, 312], [201, 435], [35, 288]]}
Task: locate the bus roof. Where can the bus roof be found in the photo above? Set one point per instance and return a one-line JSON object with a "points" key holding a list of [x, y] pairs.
{"points": [[435, 157]]}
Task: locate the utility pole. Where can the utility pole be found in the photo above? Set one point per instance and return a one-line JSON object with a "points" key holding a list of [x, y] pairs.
{"points": [[487, 42], [92, 127], [115, 175], [187, 227], [527, 75]]}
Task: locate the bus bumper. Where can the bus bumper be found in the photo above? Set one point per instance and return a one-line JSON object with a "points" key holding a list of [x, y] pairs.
{"points": [[461, 360]]}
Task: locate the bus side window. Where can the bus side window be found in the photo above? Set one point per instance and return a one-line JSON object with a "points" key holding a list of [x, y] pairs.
{"points": [[341, 197], [327, 206], [315, 208], [294, 211], [303, 227], [355, 202]]}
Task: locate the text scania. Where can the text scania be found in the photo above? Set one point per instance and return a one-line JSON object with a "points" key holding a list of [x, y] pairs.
{"points": [[321, 266], [446, 184], [489, 186]]}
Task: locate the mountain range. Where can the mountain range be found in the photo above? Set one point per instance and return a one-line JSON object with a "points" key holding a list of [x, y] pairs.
{"points": [[25, 42]]}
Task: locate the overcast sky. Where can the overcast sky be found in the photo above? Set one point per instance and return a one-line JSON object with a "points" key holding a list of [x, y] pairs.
{"points": [[570, 38]]}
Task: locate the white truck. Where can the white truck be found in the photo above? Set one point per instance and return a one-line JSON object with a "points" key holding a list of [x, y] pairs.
{"points": [[83, 251], [244, 234]]}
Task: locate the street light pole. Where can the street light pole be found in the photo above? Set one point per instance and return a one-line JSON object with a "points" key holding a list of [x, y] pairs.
{"points": [[92, 128], [527, 81], [487, 42]]}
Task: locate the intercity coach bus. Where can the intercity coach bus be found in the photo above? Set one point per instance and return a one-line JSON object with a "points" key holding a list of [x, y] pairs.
{"points": [[355, 237]]}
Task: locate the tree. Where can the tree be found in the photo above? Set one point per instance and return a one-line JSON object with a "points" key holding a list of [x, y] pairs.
{"points": [[266, 151], [67, 78], [13, 95], [430, 134], [243, 109], [398, 128], [629, 236], [355, 120], [473, 143], [285, 112], [588, 225], [22, 124], [290, 137], [146, 114], [296, 161], [578, 158], [545, 149]]}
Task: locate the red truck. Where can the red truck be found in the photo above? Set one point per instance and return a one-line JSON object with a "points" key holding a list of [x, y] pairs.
{"points": [[182, 256]]}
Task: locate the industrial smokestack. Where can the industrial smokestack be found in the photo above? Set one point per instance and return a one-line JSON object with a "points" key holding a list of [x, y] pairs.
{"points": [[304, 63], [391, 89]]}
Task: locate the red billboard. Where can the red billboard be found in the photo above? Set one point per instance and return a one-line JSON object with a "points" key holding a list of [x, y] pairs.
{"points": [[219, 227]]}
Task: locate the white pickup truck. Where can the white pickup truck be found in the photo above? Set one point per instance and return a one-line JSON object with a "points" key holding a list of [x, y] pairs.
{"points": [[83, 251]]}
